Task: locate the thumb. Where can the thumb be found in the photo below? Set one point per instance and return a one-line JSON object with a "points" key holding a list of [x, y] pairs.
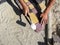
{"points": [[41, 15]]}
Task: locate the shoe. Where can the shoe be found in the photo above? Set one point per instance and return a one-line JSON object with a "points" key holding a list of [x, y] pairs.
{"points": [[50, 41]]}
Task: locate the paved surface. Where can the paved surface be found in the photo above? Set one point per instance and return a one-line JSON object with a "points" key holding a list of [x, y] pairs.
{"points": [[13, 31]]}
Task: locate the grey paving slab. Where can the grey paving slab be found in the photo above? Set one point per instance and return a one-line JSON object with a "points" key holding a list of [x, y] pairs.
{"points": [[13, 33]]}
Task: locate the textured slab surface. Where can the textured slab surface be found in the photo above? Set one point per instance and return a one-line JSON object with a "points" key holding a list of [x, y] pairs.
{"points": [[13, 33]]}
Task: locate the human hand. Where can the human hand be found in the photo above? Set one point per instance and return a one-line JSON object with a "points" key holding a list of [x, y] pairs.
{"points": [[26, 10], [44, 18]]}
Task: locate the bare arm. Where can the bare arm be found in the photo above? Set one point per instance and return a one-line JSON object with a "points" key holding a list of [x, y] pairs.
{"points": [[25, 7], [49, 6], [44, 15]]}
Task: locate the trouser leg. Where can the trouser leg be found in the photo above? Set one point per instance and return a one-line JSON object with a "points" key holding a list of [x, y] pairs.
{"points": [[50, 25]]}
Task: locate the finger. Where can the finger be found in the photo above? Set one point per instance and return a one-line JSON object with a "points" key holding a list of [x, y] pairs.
{"points": [[25, 13], [41, 15], [41, 21], [28, 13], [46, 21]]}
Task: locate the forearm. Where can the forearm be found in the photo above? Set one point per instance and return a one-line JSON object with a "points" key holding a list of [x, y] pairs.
{"points": [[49, 6], [22, 3]]}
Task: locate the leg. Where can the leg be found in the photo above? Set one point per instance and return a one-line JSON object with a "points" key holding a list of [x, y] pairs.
{"points": [[50, 25], [50, 30]]}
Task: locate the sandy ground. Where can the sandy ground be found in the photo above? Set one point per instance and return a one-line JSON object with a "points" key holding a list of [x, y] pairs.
{"points": [[13, 31]]}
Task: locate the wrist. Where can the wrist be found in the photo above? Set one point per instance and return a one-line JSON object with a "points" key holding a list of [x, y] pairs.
{"points": [[23, 3], [46, 12]]}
